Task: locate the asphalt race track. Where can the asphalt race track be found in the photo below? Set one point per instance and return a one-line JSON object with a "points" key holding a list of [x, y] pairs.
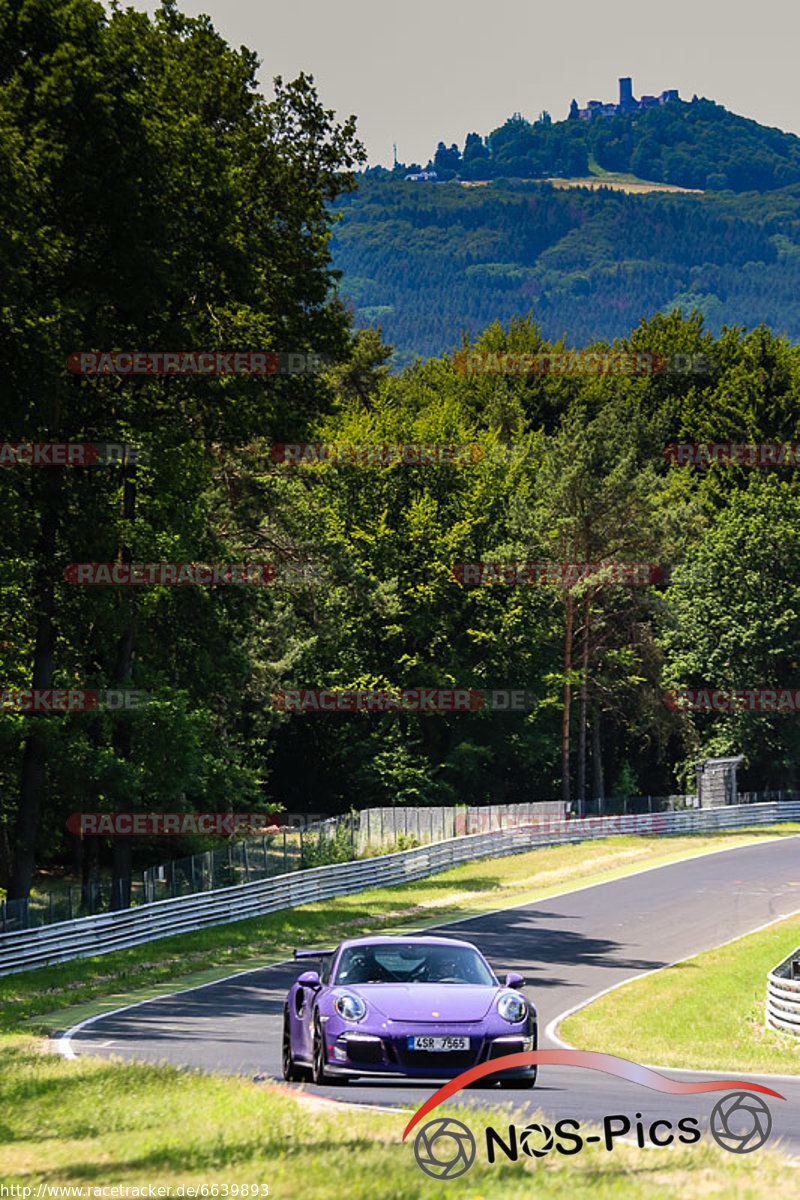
{"points": [[568, 948]]}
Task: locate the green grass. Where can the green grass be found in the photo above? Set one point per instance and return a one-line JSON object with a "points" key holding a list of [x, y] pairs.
{"points": [[600, 174], [93, 1122], [706, 1012]]}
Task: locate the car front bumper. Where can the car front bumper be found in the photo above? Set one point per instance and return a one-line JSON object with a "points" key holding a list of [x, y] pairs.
{"points": [[360, 1053]]}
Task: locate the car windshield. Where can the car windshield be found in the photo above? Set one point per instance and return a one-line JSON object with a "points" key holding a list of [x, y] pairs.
{"points": [[413, 962]]}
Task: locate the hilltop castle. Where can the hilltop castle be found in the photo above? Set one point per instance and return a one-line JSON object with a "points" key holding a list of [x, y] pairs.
{"points": [[627, 104]]}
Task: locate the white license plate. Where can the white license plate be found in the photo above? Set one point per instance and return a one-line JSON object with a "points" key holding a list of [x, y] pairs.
{"points": [[427, 1042]]}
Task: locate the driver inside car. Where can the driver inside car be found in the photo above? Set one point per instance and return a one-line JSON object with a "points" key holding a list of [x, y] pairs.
{"points": [[363, 968], [443, 967]]}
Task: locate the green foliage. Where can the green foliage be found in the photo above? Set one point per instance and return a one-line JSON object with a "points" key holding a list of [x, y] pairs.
{"points": [[319, 850], [695, 145], [149, 197], [625, 785], [736, 624]]}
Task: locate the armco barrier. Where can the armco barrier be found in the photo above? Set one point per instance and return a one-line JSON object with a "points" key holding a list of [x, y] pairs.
{"points": [[88, 936], [783, 997]]}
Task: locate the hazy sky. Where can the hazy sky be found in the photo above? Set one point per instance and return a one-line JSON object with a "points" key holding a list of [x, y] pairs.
{"points": [[420, 71]]}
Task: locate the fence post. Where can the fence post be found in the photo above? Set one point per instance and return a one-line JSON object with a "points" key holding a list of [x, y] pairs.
{"points": [[172, 875], [264, 845], [70, 909], [285, 858], [50, 908], [246, 864], [194, 889]]}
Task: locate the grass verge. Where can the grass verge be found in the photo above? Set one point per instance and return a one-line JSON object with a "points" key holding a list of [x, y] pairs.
{"points": [[94, 1122], [706, 1012]]}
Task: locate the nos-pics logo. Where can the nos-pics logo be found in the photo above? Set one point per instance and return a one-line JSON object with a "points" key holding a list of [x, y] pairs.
{"points": [[444, 1148]]}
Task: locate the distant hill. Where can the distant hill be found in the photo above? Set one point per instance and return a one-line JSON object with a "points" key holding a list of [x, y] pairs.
{"points": [[698, 144], [430, 261]]}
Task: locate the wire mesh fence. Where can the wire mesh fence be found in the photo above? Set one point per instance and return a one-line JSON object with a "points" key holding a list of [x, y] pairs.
{"points": [[335, 839]]}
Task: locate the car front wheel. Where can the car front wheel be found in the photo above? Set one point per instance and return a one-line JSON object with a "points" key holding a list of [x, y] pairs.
{"points": [[318, 1072], [291, 1070]]}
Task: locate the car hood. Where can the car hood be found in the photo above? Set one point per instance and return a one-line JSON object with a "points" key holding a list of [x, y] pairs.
{"points": [[428, 1001]]}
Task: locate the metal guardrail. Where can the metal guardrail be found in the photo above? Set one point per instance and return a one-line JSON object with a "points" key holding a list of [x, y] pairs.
{"points": [[298, 846], [87, 936], [783, 996]]}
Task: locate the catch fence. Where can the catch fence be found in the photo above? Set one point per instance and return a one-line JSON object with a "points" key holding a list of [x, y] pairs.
{"points": [[86, 936]]}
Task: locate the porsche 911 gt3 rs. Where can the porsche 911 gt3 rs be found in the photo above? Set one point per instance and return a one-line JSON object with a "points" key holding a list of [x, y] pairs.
{"points": [[406, 1005]]}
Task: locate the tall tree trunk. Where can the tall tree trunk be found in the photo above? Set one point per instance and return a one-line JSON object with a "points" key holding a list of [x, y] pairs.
{"points": [[565, 780], [90, 874], [122, 859], [5, 852], [32, 779], [123, 672], [584, 695], [597, 760]]}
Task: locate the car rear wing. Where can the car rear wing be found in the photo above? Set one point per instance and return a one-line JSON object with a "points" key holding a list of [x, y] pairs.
{"points": [[313, 953]]}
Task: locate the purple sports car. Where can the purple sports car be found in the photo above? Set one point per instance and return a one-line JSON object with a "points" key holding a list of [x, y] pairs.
{"points": [[408, 1005]]}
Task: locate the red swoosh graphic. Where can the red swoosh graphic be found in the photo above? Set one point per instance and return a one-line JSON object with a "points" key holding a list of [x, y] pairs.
{"points": [[609, 1063]]}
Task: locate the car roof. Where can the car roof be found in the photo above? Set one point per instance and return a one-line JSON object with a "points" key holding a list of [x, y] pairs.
{"points": [[393, 939]]}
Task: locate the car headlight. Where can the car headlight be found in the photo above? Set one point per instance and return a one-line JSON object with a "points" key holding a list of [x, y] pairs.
{"points": [[350, 1007], [512, 1008]]}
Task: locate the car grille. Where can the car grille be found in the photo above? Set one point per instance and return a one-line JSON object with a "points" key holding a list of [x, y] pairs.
{"points": [[363, 1051], [438, 1059], [500, 1049]]}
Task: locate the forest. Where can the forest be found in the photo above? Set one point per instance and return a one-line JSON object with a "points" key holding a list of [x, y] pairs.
{"points": [[428, 262], [96, 255]]}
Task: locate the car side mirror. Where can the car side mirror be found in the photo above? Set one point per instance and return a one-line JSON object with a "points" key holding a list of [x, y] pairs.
{"points": [[513, 980], [310, 979]]}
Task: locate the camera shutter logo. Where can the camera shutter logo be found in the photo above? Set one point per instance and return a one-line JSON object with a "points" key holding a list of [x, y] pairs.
{"points": [[444, 1149], [527, 1136], [740, 1122]]}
